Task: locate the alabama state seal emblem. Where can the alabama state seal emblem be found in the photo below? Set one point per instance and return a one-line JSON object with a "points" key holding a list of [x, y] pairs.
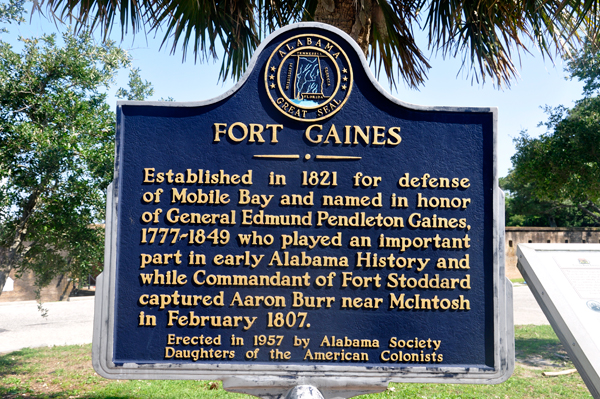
{"points": [[308, 77]]}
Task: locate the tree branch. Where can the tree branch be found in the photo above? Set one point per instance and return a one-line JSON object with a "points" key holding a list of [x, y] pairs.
{"points": [[21, 231], [594, 206], [592, 214]]}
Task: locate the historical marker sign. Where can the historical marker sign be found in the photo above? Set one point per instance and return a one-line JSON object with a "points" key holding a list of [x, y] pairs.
{"points": [[305, 223]]}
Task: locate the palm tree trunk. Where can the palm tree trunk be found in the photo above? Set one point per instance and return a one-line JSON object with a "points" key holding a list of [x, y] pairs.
{"points": [[352, 16]]}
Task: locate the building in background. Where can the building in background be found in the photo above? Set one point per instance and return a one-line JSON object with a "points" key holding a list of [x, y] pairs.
{"points": [[23, 289]]}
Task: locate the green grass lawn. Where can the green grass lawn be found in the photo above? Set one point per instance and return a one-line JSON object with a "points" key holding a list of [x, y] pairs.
{"points": [[66, 372]]}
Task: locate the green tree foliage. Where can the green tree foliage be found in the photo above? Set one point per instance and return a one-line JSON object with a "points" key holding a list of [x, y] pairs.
{"points": [[10, 12], [524, 209], [555, 179], [557, 175], [585, 66], [486, 34], [138, 89], [56, 153]]}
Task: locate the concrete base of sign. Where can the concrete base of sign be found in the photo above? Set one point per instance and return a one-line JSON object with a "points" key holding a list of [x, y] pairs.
{"points": [[304, 388], [304, 391]]}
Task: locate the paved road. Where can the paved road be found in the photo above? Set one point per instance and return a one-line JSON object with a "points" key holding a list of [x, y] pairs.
{"points": [[70, 323], [526, 308]]}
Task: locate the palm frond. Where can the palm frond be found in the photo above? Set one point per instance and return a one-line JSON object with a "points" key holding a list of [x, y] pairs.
{"points": [[393, 45], [488, 34], [92, 14]]}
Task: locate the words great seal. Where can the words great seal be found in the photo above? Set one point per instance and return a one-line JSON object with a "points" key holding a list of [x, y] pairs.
{"points": [[308, 77]]}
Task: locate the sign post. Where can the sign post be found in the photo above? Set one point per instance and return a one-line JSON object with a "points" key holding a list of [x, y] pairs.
{"points": [[305, 228]]}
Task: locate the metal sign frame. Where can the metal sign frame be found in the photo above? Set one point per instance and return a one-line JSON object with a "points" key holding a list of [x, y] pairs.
{"points": [[334, 380]]}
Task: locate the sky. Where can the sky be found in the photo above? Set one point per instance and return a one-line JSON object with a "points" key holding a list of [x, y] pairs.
{"points": [[541, 82]]}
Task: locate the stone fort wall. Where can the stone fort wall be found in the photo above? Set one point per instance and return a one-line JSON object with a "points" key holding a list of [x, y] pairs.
{"points": [[541, 235]]}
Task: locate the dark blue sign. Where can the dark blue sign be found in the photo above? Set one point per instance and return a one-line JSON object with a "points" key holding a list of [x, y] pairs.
{"points": [[306, 219]]}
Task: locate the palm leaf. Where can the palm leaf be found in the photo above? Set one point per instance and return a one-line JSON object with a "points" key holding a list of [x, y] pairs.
{"points": [[393, 45], [485, 33]]}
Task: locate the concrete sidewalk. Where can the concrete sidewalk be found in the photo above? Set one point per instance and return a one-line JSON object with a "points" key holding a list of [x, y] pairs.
{"points": [[70, 323]]}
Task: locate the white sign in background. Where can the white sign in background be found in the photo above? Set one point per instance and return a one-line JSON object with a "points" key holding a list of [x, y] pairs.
{"points": [[565, 280]]}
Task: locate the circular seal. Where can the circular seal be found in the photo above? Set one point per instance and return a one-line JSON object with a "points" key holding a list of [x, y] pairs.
{"points": [[308, 77], [594, 305]]}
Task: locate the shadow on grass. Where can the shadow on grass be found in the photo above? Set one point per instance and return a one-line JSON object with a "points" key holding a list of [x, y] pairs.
{"points": [[539, 346], [13, 362], [58, 395]]}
